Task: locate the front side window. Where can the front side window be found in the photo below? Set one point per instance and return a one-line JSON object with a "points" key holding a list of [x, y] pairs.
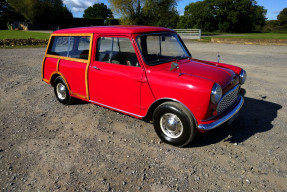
{"points": [[162, 47], [70, 46], [116, 50]]}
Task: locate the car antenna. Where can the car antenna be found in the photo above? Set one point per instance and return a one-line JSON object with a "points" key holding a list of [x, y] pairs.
{"points": [[218, 57]]}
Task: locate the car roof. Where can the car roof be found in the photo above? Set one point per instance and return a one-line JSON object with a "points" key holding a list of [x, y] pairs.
{"points": [[116, 29]]}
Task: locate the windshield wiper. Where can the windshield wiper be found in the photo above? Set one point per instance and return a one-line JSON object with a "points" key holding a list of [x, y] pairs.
{"points": [[179, 57], [167, 59]]}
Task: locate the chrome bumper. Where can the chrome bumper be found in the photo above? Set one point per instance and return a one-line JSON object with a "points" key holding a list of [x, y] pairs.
{"points": [[206, 127]]}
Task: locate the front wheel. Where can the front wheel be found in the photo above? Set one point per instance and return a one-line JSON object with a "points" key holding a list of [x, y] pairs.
{"points": [[174, 124], [62, 92]]}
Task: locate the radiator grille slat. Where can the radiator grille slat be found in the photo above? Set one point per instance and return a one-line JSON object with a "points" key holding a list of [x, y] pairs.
{"points": [[228, 99]]}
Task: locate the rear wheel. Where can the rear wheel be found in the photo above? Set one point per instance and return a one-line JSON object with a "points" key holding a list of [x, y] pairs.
{"points": [[62, 92], [174, 124]]}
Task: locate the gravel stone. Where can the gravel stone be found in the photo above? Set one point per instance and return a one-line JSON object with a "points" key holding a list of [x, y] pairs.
{"points": [[47, 146]]}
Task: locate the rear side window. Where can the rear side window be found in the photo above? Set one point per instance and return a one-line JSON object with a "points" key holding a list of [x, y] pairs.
{"points": [[77, 47]]}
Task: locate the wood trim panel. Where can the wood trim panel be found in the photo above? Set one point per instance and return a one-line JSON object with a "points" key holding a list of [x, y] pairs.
{"points": [[58, 65], [87, 67], [88, 62], [68, 58], [72, 34], [44, 59]]}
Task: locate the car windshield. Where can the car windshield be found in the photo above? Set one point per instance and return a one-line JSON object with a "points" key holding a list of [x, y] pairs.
{"points": [[160, 48]]}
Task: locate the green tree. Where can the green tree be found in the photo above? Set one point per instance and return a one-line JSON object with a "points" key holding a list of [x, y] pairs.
{"points": [[224, 15], [146, 12], [98, 10], [41, 11], [130, 10], [200, 15], [8, 14], [161, 13], [282, 17]]}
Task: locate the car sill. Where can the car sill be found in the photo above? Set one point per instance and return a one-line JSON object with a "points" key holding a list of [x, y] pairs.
{"points": [[121, 111]]}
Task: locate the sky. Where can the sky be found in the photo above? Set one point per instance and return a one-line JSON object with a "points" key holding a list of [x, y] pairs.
{"points": [[273, 6]]}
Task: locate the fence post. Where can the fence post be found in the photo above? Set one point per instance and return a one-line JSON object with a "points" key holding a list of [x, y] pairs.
{"points": [[189, 33]]}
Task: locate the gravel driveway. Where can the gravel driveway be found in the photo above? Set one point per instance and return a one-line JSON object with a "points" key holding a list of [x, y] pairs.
{"points": [[46, 146]]}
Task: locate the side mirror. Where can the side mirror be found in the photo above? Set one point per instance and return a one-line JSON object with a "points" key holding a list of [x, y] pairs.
{"points": [[173, 66]]}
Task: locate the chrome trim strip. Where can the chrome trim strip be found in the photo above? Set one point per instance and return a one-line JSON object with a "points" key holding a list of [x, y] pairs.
{"points": [[119, 110], [206, 127]]}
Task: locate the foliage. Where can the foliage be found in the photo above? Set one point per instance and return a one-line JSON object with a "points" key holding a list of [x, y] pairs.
{"points": [[224, 16], [7, 14], [282, 20], [161, 13], [98, 10], [112, 21], [282, 17], [279, 25], [41, 11], [146, 12]]}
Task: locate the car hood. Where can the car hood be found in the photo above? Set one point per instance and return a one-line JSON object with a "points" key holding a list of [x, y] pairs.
{"points": [[221, 75]]}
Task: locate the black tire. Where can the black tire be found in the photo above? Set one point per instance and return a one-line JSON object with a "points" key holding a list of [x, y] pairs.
{"points": [[62, 92], [174, 124]]}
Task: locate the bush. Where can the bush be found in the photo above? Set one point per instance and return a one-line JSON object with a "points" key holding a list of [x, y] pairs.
{"points": [[112, 21], [22, 42]]}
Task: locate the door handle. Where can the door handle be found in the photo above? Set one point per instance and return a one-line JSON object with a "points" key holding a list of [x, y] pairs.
{"points": [[95, 67]]}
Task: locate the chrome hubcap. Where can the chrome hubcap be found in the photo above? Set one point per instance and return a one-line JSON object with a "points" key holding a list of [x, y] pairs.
{"points": [[171, 125], [61, 91]]}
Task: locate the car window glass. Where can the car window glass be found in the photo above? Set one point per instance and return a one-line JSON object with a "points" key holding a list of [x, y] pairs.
{"points": [[116, 50], [59, 46], [161, 47], [84, 43], [70, 46]]}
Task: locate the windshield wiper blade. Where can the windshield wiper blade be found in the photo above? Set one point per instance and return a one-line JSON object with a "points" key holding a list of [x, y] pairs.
{"points": [[179, 57]]}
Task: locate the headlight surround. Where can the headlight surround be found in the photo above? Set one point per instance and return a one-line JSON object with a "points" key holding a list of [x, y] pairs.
{"points": [[216, 93], [242, 76]]}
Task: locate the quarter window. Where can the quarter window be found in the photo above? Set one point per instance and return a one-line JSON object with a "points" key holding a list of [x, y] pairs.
{"points": [[72, 46], [116, 50]]}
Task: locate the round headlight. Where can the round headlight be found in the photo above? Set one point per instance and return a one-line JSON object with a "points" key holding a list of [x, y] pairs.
{"points": [[216, 93], [242, 76]]}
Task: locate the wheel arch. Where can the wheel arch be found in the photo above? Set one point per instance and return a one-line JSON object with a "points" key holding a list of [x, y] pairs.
{"points": [[158, 102], [53, 78], [55, 75]]}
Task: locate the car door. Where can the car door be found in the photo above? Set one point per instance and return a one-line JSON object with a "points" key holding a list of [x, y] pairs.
{"points": [[115, 76]]}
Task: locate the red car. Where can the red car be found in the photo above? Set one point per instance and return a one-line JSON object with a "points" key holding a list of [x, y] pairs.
{"points": [[144, 72]]}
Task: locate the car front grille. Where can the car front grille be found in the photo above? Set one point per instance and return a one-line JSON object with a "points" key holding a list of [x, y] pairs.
{"points": [[228, 99]]}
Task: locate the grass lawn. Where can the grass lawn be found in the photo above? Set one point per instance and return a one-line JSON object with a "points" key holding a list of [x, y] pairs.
{"points": [[257, 36], [208, 36], [11, 34]]}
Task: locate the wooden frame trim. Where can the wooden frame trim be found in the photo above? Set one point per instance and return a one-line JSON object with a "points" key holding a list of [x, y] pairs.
{"points": [[46, 80], [44, 59], [87, 67], [71, 34], [68, 58], [88, 62], [58, 63], [71, 92]]}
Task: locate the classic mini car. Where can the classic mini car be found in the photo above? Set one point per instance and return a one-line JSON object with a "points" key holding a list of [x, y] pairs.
{"points": [[144, 72]]}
